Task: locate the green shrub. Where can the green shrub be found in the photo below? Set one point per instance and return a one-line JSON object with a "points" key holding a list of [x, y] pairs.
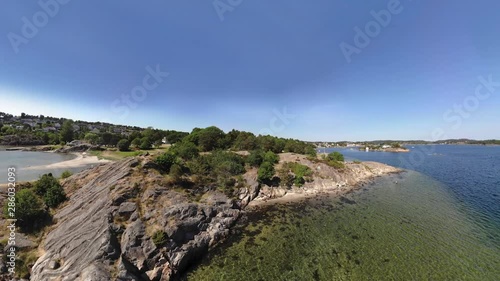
{"points": [[45, 182], [136, 142], [311, 152], [159, 238], [166, 160], [123, 145], [185, 150], [335, 156], [266, 172], [28, 207], [298, 169], [271, 157], [54, 196], [176, 172], [299, 181], [66, 174], [302, 170], [336, 164], [229, 168], [210, 138], [255, 158], [286, 179], [226, 184], [226, 163], [199, 166], [145, 144]]}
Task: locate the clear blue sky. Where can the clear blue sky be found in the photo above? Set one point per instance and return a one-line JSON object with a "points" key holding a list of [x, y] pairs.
{"points": [[262, 57]]}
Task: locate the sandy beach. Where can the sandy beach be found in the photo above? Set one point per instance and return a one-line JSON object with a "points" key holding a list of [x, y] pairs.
{"points": [[81, 160]]}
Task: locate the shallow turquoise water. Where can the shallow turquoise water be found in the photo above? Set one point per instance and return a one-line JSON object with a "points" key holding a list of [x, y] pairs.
{"points": [[24, 159], [470, 172], [414, 229]]}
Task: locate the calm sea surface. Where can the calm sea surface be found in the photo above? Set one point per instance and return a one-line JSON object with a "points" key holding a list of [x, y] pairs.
{"points": [[25, 159], [440, 220]]}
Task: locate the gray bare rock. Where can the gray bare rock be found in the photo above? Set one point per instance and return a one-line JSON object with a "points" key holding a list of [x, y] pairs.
{"points": [[53, 264], [83, 238], [93, 272], [105, 231], [137, 248], [252, 189], [127, 208]]}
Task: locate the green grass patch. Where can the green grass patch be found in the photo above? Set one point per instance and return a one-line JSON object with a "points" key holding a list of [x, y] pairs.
{"points": [[114, 154], [159, 238], [336, 164], [66, 174]]}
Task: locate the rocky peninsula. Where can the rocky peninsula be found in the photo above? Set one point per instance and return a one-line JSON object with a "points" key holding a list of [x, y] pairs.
{"points": [[125, 221]]}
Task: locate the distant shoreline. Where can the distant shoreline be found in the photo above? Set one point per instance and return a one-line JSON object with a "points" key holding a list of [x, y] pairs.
{"points": [[78, 160], [409, 145], [40, 148], [81, 160]]}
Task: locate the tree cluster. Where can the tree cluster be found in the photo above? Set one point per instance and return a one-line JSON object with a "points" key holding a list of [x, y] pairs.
{"points": [[204, 157], [213, 138], [32, 202], [107, 134]]}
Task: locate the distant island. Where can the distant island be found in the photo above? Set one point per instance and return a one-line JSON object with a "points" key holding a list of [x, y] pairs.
{"points": [[393, 147], [376, 143]]}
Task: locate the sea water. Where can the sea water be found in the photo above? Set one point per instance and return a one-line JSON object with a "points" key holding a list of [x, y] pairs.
{"points": [[437, 223], [25, 159]]}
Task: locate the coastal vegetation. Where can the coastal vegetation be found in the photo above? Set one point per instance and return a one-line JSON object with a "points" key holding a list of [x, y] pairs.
{"points": [[292, 173], [334, 159], [123, 145], [335, 156], [211, 158], [66, 174], [265, 172], [34, 201]]}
